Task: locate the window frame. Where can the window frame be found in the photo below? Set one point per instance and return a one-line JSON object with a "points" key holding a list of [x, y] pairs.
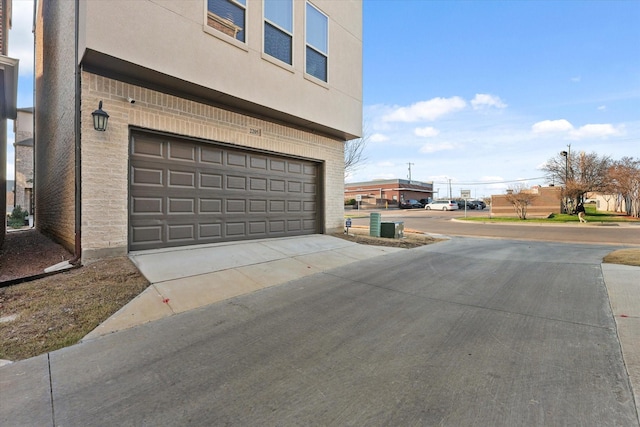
{"points": [[307, 45], [266, 21], [242, 44]]}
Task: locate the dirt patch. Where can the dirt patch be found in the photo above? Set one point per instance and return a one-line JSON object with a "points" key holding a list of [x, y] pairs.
{"points": [[409, 241], [43, 315], [54, 312], [27, 253]]}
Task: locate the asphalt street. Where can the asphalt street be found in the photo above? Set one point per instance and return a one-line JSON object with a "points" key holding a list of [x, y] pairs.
{"points": [[437, 222], [467, 332]]}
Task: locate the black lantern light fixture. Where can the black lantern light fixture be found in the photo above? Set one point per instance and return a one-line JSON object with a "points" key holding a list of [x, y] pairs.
{"points": [[100, 118]]}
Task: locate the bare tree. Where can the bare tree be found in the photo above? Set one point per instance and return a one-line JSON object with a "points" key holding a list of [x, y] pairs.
{"points": [[520, 198], [579, 173], [625, 178], [354, 151]]}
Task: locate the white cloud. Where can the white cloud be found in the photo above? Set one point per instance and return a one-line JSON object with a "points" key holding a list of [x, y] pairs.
{"points": [[576, 79], [378, 137], [594, 131], [549, 126], [426, 132], [426, 110], [21, 36], [439, 146], [602, 108], [483, 100], [587, 131]]}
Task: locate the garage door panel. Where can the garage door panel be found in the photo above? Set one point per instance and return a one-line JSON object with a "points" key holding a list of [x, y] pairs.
{"points": [[184, 192], [210, 206], [146, 147], [147, 176], [180, 232], [179, 178], [181, 152], [211, 155], [147, 206], [236, 183], [148, 235], [237, 159]]}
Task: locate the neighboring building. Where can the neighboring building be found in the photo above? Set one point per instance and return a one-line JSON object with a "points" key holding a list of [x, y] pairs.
{"points": [[8, 99], [227, 120], [9, 192], [548, 200], [608, 202], [23, 162], [388, 192]]}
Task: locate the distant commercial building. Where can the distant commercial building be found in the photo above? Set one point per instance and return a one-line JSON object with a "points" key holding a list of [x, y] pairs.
{"points": [[388, 192]]}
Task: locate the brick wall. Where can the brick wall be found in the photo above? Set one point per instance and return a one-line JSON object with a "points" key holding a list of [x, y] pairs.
{"points": [[54, 122], [105, 154], [24, 176], [547, 201]]}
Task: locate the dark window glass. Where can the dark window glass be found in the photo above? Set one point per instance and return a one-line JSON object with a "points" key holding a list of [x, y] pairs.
{"points": [[316, 64], [277, 43], [317, 34], [231, 16]]}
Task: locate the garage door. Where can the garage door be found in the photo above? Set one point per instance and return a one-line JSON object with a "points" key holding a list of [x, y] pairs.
{"points": [[184, 192]]}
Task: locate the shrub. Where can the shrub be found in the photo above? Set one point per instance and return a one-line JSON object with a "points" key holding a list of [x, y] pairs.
{"points": [[16, 219]]}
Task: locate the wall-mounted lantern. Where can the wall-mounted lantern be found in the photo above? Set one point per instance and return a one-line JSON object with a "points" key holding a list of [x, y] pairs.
{"points": [[100, 118]]}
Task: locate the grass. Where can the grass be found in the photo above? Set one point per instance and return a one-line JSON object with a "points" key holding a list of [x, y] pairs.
{"points": [[591, 215], [57, 311], [624, 257]]}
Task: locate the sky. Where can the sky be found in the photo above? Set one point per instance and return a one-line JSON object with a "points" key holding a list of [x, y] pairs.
{"points": [[482, 93], [476, 95]]}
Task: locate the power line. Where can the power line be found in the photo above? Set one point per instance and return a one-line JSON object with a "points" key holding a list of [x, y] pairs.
{"points": [[491, 182]]}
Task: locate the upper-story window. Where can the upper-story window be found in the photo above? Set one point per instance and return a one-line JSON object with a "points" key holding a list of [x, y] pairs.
{"points": [[278, 29], [317, 35], [228, 16]]}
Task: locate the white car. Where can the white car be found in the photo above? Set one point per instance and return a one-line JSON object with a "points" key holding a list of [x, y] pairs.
{"points": [[442, 205]]}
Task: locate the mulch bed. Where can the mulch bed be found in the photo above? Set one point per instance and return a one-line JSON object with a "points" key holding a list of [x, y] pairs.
{"points": [[27, 253]]}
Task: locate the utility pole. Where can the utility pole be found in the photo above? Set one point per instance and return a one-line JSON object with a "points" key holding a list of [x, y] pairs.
{"points": [[450, 188], [410, 171]]}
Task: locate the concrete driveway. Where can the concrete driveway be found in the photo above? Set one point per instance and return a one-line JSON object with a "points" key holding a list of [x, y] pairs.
{"points": [[466, 332], [186, 278]]}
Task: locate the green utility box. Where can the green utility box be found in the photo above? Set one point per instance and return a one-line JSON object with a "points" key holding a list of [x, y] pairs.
{"points": [[374, 224], [392, 230]]}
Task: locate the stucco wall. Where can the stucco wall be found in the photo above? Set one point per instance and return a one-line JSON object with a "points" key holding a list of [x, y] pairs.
{"points": [[54, 180], [105, 154], [180, 44]]}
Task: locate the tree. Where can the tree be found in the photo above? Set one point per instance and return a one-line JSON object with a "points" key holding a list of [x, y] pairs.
{"points": [[354, 154], [625, 178], [520, 198], [579, 173]]}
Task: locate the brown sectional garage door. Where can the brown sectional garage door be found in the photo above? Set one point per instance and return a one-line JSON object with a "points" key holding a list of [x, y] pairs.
{"points": [[184, 192]]}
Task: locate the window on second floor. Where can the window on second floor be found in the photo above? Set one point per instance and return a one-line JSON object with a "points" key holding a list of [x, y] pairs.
{"points": [[278, 29], [228, 16], [317, 35]]}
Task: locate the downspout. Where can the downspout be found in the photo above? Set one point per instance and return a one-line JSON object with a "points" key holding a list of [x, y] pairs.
{"points": [[77, 125]]}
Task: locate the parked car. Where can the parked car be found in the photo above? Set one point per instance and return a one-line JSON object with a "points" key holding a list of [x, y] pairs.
{"points": [[479, 204], [461, 204], [424, 202], [410, 204], [442, 205]]}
